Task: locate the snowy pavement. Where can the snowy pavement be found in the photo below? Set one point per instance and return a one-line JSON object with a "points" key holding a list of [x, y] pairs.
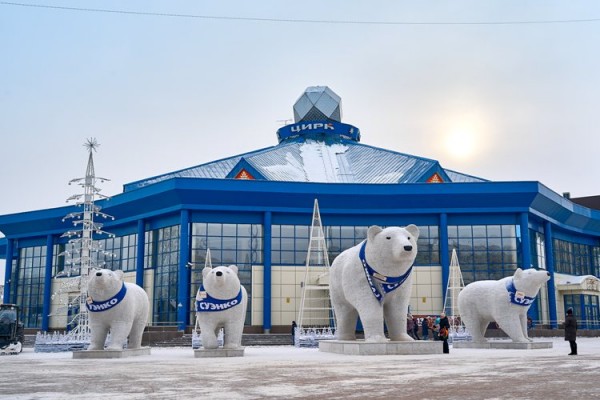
{"points": [[301, 373]]}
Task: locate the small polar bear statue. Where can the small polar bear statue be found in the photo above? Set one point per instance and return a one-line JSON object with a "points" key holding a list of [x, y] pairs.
{"points": [[221, 302], [116, 306], [373, 281], [504, 301]]}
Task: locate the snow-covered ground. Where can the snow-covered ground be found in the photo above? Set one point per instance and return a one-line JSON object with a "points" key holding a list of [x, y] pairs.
{"points": [[296, 373]]}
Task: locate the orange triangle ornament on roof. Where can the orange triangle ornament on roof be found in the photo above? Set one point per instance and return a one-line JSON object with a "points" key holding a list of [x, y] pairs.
{"points": [[435, 178], [243, 174]]}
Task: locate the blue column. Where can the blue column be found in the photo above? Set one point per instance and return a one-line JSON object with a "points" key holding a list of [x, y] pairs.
{"points": [[267, 272], [8, 270], [444, 254], [139, 260], [47, 283], [526, 256], [549, 250], [183, 289]]}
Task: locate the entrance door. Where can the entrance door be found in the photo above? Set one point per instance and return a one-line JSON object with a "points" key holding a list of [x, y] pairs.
{"points": [[591, 312]]}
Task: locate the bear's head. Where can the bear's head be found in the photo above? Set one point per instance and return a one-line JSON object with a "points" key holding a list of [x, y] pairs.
{"points": [[104, 283], [392, 251], [530, 281], [221, 282]]}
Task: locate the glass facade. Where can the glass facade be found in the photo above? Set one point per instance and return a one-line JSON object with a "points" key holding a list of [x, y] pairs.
{"points": [[428, 246], [118, 253], [538, 250], [573, 258], [28, 294], [165, 256], [596, 261], [484, 251], [289, 243], [585, 308], [114, 253], [229, 244]]}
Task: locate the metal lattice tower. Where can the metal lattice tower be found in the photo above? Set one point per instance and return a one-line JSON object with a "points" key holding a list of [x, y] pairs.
{"points": [[315, 306], [455, 285], [82, 251]]}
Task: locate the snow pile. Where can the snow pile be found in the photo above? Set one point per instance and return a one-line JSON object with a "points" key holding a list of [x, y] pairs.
{"points": [[319, 163]]}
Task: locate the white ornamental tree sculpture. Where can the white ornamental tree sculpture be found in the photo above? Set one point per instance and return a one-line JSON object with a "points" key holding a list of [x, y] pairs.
{"points": [[81, 254], [316, 319]]}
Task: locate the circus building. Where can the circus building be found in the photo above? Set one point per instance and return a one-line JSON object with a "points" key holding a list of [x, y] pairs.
{"points": [[255, 210]]}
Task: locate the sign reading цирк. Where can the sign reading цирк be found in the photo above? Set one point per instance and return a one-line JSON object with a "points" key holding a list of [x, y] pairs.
{"points": [[345, 131]]}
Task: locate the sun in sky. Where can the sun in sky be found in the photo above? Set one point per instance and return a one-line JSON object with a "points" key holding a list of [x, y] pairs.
{"points": [[463, 139], [460, 143]]}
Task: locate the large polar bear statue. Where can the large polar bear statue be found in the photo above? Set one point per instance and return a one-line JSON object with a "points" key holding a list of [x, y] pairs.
{"points": [[504, 301], [115, 306], [373, 281], [221, 302]]}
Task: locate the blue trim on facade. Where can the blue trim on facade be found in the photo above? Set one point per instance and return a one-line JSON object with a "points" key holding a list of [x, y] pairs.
{"points": [[47, 283], [141, 246], [267, 235], [549, 250], [183, 288], [216, 195], [8, 271], [2, 248], [220, 217], [444, 254]]}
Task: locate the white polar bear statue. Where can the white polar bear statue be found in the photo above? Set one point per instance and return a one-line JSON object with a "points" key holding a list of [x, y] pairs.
{"points": [[115, 306], [373, 281], [221, 302], [504, 301]]}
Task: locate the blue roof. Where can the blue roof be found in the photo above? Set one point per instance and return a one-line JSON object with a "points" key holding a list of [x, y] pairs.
{"points": [[312, 159]]}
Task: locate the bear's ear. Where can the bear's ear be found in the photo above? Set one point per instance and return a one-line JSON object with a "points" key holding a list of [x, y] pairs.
{"points": [[206, 271], [373, 231], [518, 273], [119, 274], [413, 230], [234, 268]]}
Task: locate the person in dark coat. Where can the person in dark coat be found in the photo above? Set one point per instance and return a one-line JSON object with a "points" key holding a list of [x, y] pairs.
{"points": [[571, 331], [416, 328], [425, 328], [410, 326], [444, 331], [294, 326]]}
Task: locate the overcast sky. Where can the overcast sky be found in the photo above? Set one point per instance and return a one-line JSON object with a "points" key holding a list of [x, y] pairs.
{"points": [[160, 93]]}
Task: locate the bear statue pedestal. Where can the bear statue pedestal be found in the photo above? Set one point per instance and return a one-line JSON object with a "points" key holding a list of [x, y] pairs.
{"points": [[362, 348], [220, 352], [502, 344], [87, 354]]}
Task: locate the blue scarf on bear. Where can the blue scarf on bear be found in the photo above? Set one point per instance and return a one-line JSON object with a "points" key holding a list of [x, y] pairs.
{"points": [[517, 297], [207, 303], [97, 306], [384, 284]]}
